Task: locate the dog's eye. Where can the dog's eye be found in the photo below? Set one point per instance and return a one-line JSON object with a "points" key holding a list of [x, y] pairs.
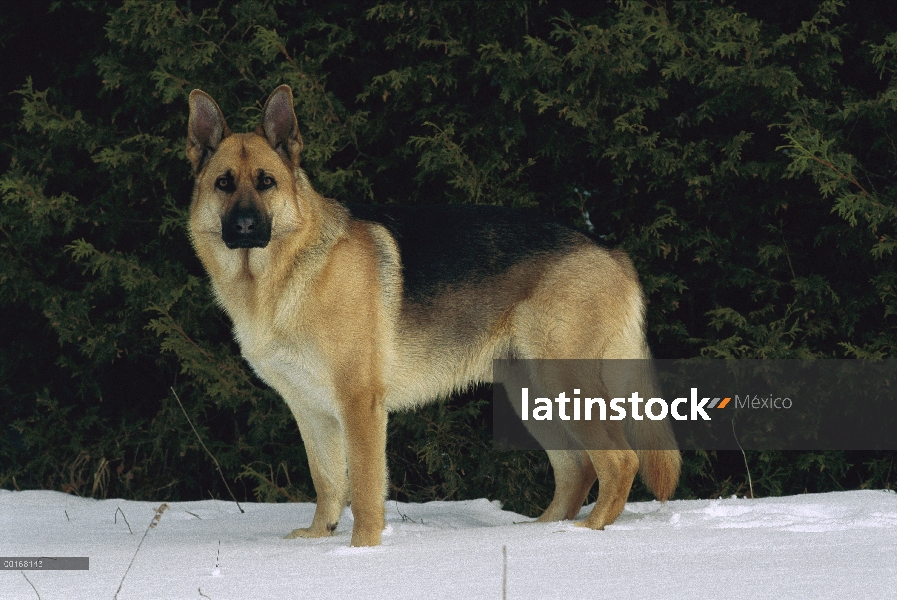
{"points": [[224, 183], [266, 182]]}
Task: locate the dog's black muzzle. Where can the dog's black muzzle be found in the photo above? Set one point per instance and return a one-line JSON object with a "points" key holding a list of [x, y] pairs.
{"points": [[245, 227]]}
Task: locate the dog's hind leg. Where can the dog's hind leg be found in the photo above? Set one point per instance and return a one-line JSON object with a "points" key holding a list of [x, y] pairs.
{"points": [[573, 478], [574, 472], [616, 470]]}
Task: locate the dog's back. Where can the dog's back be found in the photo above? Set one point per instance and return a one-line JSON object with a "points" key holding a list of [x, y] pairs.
{"points": [[469, 274], [454, 246]]}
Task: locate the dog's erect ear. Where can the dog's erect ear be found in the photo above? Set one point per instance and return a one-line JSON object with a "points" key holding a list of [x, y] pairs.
{"points": [[279, 125], [205, 129]]}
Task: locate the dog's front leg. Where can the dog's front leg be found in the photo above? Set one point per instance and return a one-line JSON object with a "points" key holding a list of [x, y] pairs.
{"points": [[325, 447], [364, 422]]}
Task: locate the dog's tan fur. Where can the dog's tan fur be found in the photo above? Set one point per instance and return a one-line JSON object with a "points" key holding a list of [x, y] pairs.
{"points": [[320, 314]]}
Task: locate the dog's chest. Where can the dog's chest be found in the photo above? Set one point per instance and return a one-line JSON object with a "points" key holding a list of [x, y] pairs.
{"points": [[297, 371]]}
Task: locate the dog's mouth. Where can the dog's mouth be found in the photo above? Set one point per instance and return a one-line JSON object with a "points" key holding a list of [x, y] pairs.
{"points": [[245, 227], [234, 245]]}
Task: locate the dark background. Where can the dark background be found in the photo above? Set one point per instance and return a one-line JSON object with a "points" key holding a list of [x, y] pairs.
{"points": [[743, 154]]}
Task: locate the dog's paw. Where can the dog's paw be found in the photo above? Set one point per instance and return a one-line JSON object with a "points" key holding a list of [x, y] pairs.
{"points": [[311, 532], [365, 537]]}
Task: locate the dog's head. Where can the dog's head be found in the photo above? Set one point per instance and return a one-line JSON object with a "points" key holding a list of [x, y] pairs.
{"points": [[244, 181]]}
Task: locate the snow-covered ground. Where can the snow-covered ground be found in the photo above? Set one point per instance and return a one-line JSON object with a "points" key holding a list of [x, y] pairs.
{"points": [[837, 545]]}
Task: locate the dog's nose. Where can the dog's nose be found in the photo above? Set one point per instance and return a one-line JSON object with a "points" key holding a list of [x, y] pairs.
{"points": [[244, 224], [245, 227]]}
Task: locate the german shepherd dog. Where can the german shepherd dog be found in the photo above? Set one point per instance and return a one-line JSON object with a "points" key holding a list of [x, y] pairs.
{"points": [[350, 313]]}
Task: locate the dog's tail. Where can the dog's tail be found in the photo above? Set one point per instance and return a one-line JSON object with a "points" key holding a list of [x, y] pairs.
{"points": [[655, 445], [659, 461], [654, 442]]}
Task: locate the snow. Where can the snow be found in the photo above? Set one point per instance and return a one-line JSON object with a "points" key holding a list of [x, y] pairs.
{"points": [[836, 545]]}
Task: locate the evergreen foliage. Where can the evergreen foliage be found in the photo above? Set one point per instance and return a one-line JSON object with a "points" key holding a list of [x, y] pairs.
{"points": [[742, 152]]}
